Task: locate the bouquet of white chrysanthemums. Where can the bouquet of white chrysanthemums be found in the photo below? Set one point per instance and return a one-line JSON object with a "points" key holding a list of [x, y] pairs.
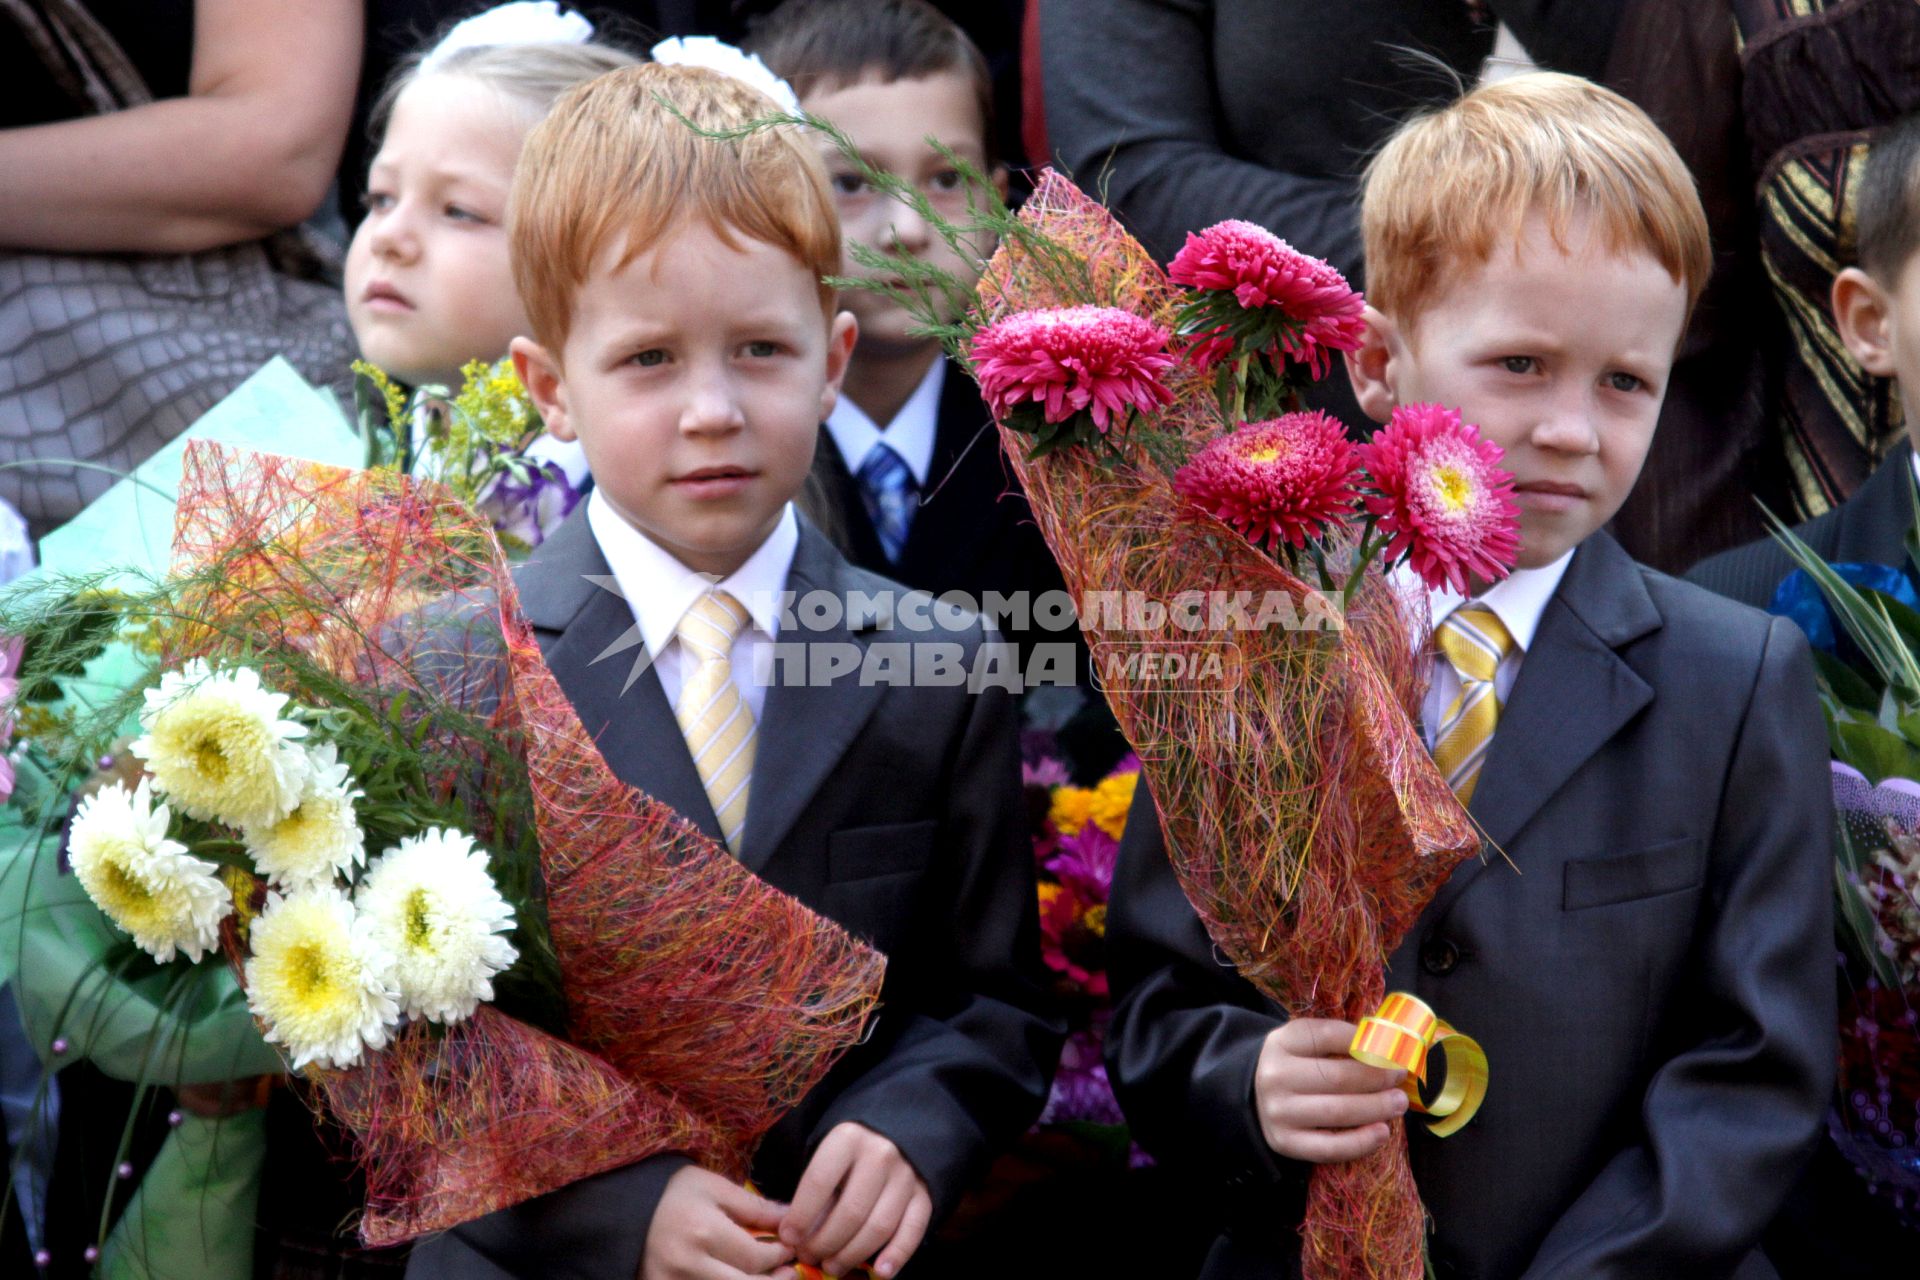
{"points": [[239, 782]]}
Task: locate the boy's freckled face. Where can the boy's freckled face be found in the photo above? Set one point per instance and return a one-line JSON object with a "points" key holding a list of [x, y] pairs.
{"points": [[428, 281], [696, 378], [889, 124], [1560, 356]]}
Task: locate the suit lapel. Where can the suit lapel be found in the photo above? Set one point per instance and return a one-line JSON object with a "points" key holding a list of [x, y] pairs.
{"points": [[1876, 521], [805, 727], [965, 481], [1574, 693], [843, 491], [588, 637]]}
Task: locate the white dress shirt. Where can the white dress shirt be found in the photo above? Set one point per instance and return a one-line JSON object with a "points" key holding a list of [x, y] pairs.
{"points": [[1517, 600], [660, 590], [910, 434]]}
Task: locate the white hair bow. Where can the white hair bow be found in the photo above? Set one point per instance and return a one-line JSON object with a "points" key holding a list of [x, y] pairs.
{"points": [[522, 22], [718, 55]]}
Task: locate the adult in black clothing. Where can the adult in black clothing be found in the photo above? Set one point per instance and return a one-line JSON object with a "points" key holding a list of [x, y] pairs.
{"points": [[1191, 111]]}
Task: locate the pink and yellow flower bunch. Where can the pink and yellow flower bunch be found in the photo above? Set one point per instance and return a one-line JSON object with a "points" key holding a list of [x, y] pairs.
{"points": [[1263, 319]]}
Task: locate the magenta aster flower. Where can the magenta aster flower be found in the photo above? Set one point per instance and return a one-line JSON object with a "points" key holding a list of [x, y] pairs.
{"points": [[1100, 361], [1442, 497], [1312, 308], [1084, 863], [1287, 480]]}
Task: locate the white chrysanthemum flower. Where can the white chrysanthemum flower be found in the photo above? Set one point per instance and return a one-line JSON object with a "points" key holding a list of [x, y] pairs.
{"points": [[317, 979], [435, 911], [217, 746], [147, 884], [321, 837]]}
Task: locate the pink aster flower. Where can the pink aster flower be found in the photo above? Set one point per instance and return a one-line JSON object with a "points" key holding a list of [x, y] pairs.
{"points": [[1100, 360], [1287, 480], [1442, 497], [1263, 271]]}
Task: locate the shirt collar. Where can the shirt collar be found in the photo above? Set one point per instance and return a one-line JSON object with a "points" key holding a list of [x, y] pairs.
{"points": [[1518, 600], [660, 590], [910, 434]]}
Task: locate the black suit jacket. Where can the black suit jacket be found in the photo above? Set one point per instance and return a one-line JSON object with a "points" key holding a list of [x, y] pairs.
{"points": [[973, 531], [1868, 528], [893, 810], [1649, 966]]}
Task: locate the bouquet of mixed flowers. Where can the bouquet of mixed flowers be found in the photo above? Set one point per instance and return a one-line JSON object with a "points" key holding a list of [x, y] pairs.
{"points": [[1872, 703], [485, 443], [1075, 845], [1230, 553], [498, 967]]}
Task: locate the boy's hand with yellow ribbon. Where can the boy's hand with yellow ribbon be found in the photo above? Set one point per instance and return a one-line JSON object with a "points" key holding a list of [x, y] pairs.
{"points": [[1317, 1104]]}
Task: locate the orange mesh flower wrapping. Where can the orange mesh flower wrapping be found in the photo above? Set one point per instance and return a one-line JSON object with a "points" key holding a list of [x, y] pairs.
{"points": [[1303, 815], [700, 1002]]}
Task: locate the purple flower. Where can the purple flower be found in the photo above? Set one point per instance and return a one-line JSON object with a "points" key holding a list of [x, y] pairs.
{"points": [[1047, 772], [1081, 1092], [1084, 862], [528, 502]]}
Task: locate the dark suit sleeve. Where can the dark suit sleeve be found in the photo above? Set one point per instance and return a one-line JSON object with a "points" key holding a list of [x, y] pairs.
{"points": [[1749, 574], [972, 1037], [1187, 1029], [1130, 102], [595, 1229], [1731, 1116]]}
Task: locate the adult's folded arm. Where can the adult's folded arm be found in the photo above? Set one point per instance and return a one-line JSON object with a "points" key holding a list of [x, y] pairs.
{"points": [[252, 148]]}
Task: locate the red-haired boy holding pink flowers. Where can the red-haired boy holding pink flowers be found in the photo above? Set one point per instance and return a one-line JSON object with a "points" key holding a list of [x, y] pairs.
{"points": [[1644, 949]]}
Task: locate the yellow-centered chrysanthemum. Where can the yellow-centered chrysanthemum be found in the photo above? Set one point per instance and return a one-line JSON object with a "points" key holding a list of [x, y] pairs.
{"points": [[435, 912], [147, 884], [321, 837], [217, 746], [316, 979]]}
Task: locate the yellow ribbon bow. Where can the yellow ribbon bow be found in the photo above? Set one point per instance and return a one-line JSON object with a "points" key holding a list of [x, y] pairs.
{"points": [[1400, 1034]]}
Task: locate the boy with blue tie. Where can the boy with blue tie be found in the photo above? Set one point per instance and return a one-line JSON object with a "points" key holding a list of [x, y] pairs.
{"points": [[683, 334], [909, 458], [1644, 948]]}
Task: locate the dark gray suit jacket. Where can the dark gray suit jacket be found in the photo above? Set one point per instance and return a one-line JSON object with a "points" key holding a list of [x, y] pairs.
{"points": [[1651, 973], [894, 810], [1868, 528]]}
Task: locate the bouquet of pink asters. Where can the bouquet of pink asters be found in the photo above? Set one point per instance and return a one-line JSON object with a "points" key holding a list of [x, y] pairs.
{"points": [[1231, 553]]}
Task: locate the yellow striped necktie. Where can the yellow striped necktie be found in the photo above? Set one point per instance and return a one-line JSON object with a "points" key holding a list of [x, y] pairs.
{"points": [[714, 717], [1474, 641]]}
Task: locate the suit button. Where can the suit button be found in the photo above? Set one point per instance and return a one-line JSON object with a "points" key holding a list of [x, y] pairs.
{"points": [[1439, 957]]}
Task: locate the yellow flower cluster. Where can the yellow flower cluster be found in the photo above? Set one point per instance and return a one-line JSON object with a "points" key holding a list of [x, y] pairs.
{"points": [[493, 403], [1105, 805], [390, 391]]}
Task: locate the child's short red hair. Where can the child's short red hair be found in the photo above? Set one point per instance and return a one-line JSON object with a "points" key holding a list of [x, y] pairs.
{"points": [[618, 162], [1452, 185]]}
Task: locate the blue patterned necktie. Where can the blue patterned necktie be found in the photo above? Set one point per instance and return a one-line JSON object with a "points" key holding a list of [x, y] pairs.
{"points": [[889, 491]]}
